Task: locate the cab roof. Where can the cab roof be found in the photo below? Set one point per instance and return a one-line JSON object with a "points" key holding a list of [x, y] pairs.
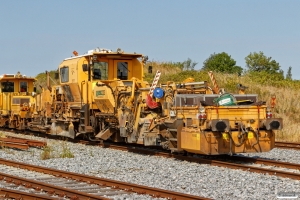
{"points": [[108, 54], [15, 76]]}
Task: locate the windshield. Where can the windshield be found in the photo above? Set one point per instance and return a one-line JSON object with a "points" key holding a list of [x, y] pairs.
{"points": [[64, 74], [7, 86], [100, 71], [23, 86], [123, 70]]}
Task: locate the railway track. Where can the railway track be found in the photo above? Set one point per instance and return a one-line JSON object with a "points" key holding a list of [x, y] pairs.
{"points": [[257, 165], [20, 143], [57, 184], [287, 145], [220, 161]]}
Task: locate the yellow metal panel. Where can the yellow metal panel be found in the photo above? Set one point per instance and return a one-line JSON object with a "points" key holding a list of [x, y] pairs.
{"points": [[190, 139], [38, 102], [46, 96], [230, 112], [6, 104], [73, 73], [4, 101], [15, 108], [1, 101], [104, 99], [81, 75], [75, 92], [214, 143], [137, 69], [30, 86], [104, 105], [111, 70]]}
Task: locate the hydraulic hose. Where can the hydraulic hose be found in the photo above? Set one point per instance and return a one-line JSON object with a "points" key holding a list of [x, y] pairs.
{"points": [[237, 145], [232, 142], [230, 146], [257, 138]]}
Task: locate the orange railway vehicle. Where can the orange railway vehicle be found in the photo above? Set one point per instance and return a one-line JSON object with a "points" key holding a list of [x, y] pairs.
{"points": [[102, 96]]}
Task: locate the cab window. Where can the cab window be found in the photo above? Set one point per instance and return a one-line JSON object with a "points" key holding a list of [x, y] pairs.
{"points": [[7, 86], [23, 86], [123, 70], [64, 74], [100, 71], [20, 101]]}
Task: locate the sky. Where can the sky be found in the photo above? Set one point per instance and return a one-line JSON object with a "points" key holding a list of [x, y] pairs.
{"points": [[37, 35]]}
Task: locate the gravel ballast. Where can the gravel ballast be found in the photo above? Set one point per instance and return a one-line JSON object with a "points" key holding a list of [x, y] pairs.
{"points": [[165, 173]]}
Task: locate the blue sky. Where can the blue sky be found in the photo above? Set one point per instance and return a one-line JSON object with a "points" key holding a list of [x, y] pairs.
{"points": [[37, 35]]}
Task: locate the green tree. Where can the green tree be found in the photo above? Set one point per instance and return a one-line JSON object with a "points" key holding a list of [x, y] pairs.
{"points": [[258, 62], [221, 62], [289, 74]]}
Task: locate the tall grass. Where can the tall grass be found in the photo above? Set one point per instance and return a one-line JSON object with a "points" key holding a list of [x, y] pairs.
{"points": [[287, 92], [47, 152], [56, 150], [66, 152]]}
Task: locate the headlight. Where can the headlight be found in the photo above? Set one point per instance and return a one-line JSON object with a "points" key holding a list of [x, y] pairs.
{"points": [[220, 125], [273, 124]]}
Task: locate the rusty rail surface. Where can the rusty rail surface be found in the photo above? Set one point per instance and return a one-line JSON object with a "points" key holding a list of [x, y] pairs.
{"points": [[51, 189], [8, 143], [287, 145], [15, 194], [129, 187], [31, 143], [20, 143]]}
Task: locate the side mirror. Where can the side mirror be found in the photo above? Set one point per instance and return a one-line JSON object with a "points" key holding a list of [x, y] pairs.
{"points": [[56, 75], [150, 69], [85, 67]]}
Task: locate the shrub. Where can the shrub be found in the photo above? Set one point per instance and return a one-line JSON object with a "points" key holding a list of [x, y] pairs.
{"points": [[47, 153], [66, 152]]}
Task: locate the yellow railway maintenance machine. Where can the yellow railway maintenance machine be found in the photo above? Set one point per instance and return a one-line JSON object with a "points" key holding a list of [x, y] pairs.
{"points": [[94, 89], [17, 100], [102, 96]]}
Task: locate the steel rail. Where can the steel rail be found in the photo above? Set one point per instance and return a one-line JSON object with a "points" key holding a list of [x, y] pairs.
{"points": [[49, 188], [20, 143], [7, 143], [276, 163], [31, 143], [155, 192], [15, 194], [287, 145]]}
